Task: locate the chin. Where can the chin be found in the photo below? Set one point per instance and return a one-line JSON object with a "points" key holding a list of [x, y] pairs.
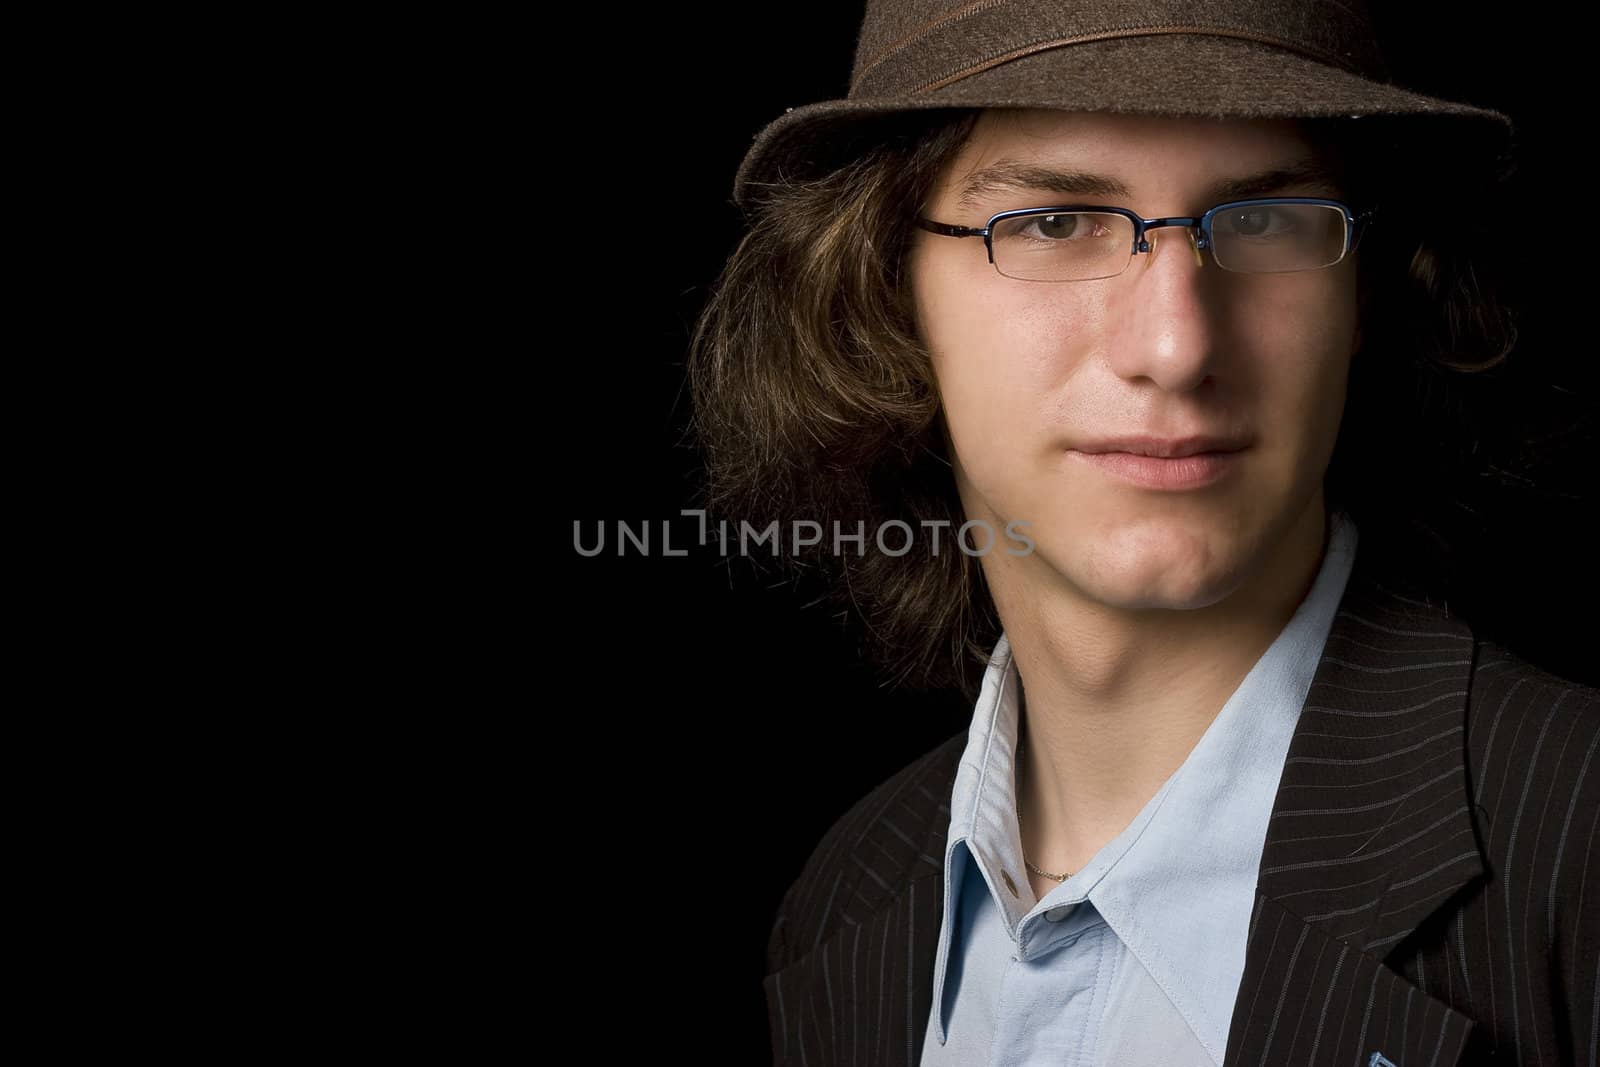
{"points": [[1159, 566], [1179, 595]]}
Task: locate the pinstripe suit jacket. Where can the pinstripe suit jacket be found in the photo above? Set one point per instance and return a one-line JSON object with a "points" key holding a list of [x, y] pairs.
{"points": [[1428, 890]]}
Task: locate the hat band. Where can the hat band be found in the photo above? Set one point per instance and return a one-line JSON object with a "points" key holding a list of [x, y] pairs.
{"points": [[1143, 31], [983, 34]]}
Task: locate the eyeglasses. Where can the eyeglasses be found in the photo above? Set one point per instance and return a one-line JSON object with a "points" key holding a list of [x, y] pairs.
{"points": [[1082, 243]]}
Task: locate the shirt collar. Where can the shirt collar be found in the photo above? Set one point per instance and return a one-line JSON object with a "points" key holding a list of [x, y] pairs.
{"points": [[1170, 894]]}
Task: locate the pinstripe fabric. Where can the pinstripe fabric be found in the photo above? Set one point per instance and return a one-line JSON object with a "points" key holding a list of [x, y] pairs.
{"points": [[1429, 886]]}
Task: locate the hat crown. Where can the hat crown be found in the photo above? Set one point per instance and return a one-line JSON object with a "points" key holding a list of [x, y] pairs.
{"points": [[1215, 59], [915, 46]]}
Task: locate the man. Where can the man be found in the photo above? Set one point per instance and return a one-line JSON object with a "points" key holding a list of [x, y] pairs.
{"points": [[1231, 792]]}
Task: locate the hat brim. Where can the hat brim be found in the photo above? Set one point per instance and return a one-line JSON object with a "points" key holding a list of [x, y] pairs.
{"points": [[1168, 74]]}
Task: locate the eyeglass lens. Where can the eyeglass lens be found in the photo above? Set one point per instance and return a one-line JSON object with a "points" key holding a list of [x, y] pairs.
{"points": [[1083, 245]]}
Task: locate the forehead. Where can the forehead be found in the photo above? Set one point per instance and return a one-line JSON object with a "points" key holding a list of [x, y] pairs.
{"points": [[1137, 155]]}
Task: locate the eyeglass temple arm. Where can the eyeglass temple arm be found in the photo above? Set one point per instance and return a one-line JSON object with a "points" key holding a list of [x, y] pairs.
{"points": [[1362, 221], [951, 231]]}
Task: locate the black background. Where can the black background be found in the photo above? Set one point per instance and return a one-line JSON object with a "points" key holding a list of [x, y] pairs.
{"points": [[713, 728]]}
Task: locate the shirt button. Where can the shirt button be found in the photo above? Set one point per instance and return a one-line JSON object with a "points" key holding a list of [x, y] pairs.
{"points": [[1055, 915]]}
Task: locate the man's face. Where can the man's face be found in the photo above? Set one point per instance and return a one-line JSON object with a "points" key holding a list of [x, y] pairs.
{"points": [[1030, 372]]}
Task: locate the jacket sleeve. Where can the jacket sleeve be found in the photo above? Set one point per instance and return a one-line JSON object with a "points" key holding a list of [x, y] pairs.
{"points": [[1574, 901]]}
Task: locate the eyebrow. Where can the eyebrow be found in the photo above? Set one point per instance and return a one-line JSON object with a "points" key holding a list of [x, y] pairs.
{"points": [[1014, 175]]}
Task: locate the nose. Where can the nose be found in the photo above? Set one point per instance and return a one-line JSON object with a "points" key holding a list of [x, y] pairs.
{"points": [[1153, 237], [1171, 314]]}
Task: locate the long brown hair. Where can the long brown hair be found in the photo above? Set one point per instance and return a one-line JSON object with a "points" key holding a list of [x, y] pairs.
{"points": [[815, 400]]}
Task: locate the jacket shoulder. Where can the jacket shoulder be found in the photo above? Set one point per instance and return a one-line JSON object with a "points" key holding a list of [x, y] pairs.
{"points": [[1535, 784], [1524, 722], [890, 836]]}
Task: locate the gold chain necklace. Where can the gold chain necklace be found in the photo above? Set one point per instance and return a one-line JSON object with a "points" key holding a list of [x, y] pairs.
{"points": [[1031, 867]]}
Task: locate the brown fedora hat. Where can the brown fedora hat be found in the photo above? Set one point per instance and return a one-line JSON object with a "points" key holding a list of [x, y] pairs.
{"points": [[1201, 58]]}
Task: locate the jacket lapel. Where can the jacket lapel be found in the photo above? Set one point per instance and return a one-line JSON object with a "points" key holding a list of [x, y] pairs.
{"points": [[1371, 833]]}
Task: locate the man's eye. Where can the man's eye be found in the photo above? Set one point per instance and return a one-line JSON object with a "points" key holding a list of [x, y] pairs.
{"points": [[1064, 227], [1260, 222]]}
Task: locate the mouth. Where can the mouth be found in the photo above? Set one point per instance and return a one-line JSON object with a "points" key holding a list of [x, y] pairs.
{"points": [[1164, 447], [1194, 471]]}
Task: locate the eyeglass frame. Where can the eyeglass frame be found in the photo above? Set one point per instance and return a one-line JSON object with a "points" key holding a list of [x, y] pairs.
{"points": [[1355, 225]]}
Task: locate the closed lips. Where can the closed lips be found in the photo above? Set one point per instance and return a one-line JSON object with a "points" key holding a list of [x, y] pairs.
{"points": [[1166, 448]]}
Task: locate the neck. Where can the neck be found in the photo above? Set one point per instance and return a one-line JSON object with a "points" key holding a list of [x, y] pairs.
{"points": [[1114, 700]]}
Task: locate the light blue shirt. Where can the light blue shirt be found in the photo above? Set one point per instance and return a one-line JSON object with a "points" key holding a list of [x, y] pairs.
{"points": [[1135, 960]]}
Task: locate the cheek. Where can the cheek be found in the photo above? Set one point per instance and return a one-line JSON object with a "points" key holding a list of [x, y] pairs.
{"points": [[999, 349], [998, 376], [966, 338], [1308, 371]]}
